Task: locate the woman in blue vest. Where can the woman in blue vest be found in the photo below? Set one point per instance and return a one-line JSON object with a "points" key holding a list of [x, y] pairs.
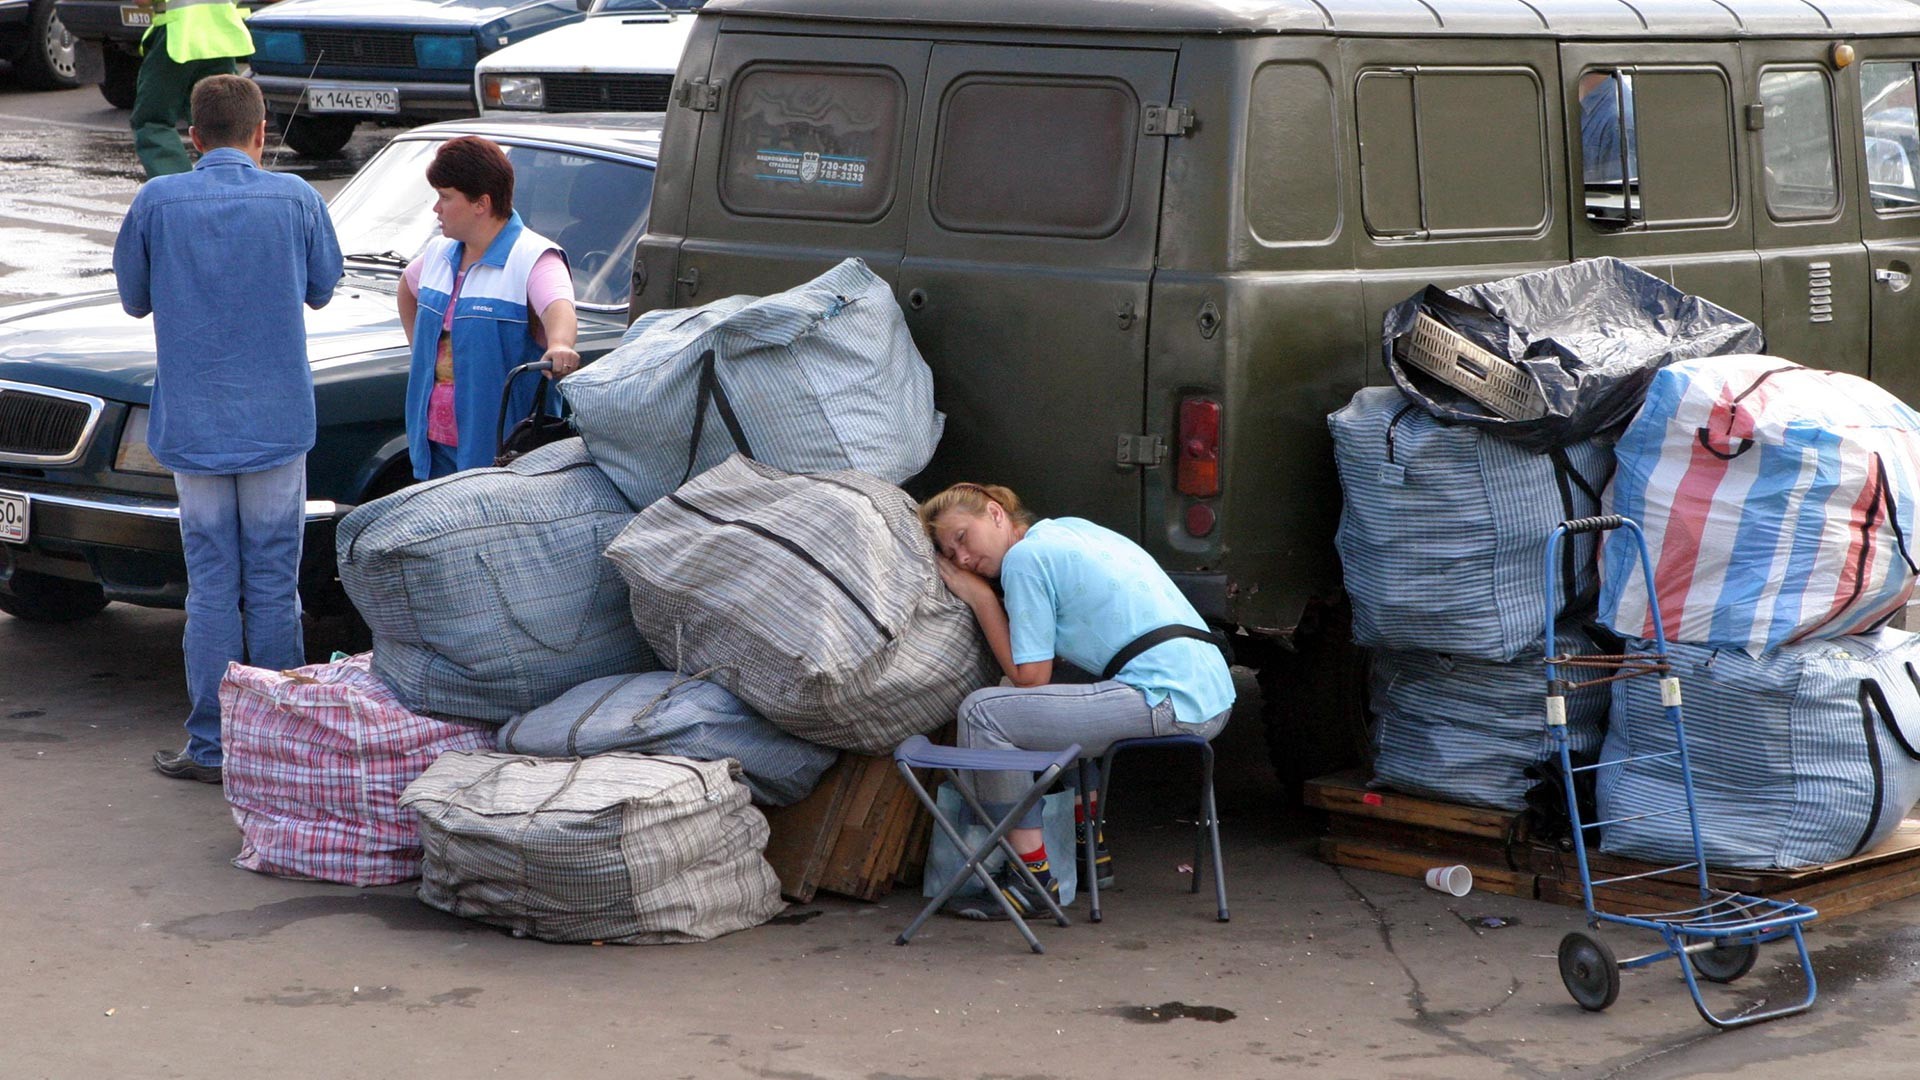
{"points": [[486, 296], [1094, 599]]}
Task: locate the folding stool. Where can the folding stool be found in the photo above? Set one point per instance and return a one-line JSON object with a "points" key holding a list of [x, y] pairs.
{"points": [[917, 752], [1208, 825]]}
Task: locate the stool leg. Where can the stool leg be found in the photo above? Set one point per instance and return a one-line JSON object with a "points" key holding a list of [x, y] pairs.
{"points": [[1014, 860], [972, 865], [1089, 874], [1099, 819], [1212, 812]]}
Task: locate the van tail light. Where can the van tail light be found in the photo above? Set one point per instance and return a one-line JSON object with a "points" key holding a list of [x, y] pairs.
{"points": [[1199, 448]]}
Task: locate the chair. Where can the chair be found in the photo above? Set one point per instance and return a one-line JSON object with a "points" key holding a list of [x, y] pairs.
{"points": [[918, 752], [1208, 827]]}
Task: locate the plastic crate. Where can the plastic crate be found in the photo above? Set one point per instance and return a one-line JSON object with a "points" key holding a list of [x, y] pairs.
{"points": [[1494, 381]]}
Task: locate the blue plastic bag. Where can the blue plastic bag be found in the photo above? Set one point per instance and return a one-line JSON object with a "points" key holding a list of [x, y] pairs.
{"points": [[1056, 827]]}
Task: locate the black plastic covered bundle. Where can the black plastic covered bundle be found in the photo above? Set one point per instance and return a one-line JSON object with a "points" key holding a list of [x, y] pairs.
{"points": [[1591, 334]]}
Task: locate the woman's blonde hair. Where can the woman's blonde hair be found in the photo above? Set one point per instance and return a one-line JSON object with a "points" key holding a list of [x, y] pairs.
{"points": [[973, 499]]}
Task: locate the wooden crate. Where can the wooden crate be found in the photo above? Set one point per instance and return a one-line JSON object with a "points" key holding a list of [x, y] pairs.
{"points": [[1405, 835], [854, 836]]}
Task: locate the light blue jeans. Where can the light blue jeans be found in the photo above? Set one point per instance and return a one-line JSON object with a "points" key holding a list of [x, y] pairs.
{"points": [[242, 535], [1096, 715]]}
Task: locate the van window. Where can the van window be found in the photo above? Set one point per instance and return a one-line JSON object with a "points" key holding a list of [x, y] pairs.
{"points": [[1656, 147], [812, 143], [995, 128], [1292, 182], [1892, 135], [1802, 177], [1452, 152]]}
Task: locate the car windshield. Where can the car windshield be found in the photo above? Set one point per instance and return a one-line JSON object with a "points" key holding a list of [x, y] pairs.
{"points": [[594, 208]]}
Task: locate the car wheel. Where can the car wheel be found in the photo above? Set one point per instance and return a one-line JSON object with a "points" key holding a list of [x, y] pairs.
{"points": [[49, 61], [315, 136], [122, 82], [43, 599], [1313, 702]]}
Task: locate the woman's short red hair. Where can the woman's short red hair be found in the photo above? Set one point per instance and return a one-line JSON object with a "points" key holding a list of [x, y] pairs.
{"points": [[474, 166]]}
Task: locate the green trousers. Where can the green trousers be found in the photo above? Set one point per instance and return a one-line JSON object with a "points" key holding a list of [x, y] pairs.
{"points": [[162, 100]]}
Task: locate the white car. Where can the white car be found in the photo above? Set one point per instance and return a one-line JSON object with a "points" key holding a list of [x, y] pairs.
{"points": [[621, 58]]}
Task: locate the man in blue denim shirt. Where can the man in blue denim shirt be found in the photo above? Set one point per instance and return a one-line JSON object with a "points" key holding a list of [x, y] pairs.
{"points": [[223, 257]]}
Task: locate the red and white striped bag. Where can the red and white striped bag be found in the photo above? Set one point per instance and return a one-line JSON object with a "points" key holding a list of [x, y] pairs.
{"points": [[1779, 504], [315, 761]]}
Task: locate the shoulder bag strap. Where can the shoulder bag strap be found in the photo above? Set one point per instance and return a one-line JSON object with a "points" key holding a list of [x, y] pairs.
{"points": [[1157, 636]]}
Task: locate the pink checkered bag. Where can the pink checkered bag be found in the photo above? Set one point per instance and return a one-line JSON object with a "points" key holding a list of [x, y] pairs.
{"points": [[316, 759]]}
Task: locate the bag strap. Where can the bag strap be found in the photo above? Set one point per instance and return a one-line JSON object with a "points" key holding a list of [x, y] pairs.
{"points": [[1893, 513], [711, 390], [1870, 691], [506, 396], [1159, 635]]}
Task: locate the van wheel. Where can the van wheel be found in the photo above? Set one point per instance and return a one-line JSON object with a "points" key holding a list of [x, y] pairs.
{"points": [[49, 61], [41, 598], [1313, 702], [315, 136], [122, 81]]}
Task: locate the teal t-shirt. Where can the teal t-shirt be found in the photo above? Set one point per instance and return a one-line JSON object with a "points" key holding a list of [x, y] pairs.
{"points": [[1081, 592]]}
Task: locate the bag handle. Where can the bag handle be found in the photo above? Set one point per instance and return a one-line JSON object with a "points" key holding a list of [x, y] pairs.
{"points": [[1893, 513], [711, 390], [506, 395], [1160, 635], [1870, 691]]}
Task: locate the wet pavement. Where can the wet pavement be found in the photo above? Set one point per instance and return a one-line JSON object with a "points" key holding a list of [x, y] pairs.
{"points": [[67, 173]]}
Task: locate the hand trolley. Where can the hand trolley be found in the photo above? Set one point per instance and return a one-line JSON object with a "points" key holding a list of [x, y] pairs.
{"points": [[1719, 938]]}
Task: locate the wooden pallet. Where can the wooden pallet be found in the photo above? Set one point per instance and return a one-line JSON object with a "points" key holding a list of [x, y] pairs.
{"points": [[858, 833], [1406, 834]]}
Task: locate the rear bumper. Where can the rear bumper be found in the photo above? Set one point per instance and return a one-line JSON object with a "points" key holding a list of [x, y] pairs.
{"points": [[98, 21], [130, 544], [419, 101]]}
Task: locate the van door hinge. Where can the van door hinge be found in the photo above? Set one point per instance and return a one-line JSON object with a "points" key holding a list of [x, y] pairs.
{"points": [[1140, 451], [1171, 121], [698, 94]]}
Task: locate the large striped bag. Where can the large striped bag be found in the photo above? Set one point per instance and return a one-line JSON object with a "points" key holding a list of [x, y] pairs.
{"points": [[316, 759], [1443, 529], [1465, 730], [660, 712], [1778, 503], [815, 599], [821, 377], [621, 848], [485, 590], [1803, 756]]}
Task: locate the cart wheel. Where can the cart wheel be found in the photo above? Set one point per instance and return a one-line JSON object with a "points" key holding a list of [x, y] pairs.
{"points": [[1725, 963], [1590, 972]]}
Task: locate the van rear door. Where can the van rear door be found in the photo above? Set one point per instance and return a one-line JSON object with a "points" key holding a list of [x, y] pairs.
{"points": [[804, 156], [1030, 253], [1888, 145]]}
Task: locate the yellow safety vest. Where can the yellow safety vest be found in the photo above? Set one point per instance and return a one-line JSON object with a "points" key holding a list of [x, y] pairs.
{"points": [[201, 29]]}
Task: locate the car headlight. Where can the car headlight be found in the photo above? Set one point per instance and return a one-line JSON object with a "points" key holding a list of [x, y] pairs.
{"points": [[443, 51], [513, 91], [279, 47], [134, 456]]}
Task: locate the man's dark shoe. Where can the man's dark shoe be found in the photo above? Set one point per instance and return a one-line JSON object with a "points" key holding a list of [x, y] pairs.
{"points": [[1015, 888], [181, 767], [1102, 862]]}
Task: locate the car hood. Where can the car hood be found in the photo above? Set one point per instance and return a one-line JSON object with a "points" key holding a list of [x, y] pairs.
{"points": [[625, 44], [88, 345], [378, 14]]}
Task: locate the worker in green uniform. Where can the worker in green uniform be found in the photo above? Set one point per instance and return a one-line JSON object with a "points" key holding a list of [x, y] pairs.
{"points": [[189, 40]]}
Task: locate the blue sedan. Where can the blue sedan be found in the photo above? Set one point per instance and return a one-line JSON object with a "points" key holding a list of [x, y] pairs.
{"points": [[88, 516]]}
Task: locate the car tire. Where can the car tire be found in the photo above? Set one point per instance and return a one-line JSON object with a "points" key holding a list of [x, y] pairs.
{"points": [[50, 59], [40, 598], [315, 136], [122, 81], [1313, 702]]}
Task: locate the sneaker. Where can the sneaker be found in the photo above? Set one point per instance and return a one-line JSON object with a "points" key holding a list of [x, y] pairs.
{"points": [[1018, 893], [1102, 862]]}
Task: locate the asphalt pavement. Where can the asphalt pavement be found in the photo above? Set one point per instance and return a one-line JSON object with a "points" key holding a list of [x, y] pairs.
{"points": [[133, 949]]}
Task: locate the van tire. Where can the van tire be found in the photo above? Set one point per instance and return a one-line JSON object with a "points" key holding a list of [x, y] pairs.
{"points": [[1313, 703], [42, 598], [121, 84], [314, 136]]}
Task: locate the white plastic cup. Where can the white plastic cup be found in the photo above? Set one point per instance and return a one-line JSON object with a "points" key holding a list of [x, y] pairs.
{"points": [[1452, 880]]}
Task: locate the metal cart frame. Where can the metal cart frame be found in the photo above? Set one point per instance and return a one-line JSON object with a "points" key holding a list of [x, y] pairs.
{"points": [[1717, 939]]}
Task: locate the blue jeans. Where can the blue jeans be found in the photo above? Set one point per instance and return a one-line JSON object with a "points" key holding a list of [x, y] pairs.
{"points": [[1096, 715], [441, 463], [242, 536]]}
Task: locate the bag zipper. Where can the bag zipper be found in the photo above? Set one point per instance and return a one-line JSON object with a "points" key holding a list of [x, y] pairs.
{"points": [[799, 552], [706, 793], [408, 493]]}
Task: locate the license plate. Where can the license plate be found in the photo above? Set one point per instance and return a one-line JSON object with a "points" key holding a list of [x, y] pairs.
{"points": [[135, 16], [13, 517], [352, 99]]}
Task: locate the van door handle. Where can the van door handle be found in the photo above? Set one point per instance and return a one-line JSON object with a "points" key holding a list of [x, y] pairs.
{"points": [[691, 279], [1893, 279]]}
